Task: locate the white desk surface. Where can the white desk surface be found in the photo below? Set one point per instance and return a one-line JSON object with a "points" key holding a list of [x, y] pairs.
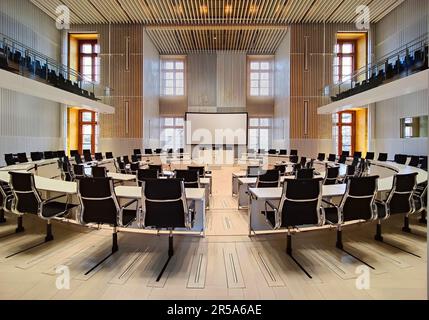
{"points": [[121, 177], [130, 192]]}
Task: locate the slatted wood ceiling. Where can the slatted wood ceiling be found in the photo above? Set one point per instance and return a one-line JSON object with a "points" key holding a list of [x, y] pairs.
{"points": [[185, 26]]}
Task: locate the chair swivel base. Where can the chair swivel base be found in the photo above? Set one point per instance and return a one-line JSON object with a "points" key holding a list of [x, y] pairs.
{"points": [[20, 227], [289, 253], [170, 256], [406, 227], [378, 237]]}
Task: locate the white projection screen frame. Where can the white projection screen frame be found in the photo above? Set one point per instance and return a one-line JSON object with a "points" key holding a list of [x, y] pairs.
{"points": [[217, 128]]}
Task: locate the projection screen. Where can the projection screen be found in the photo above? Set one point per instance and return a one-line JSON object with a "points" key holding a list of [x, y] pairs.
{"points": [[216, 128]]}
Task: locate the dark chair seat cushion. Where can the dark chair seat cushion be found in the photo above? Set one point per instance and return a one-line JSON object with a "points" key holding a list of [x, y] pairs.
{"points": [[381, 210], [331, 215], [56, 209], [128, 216]]}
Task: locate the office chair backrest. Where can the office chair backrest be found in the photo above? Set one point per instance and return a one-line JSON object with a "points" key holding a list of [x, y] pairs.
{"points": [[73, 153], [181, 151], [87, 157], [148, 151], [22, 158], [399, 200], [78, 159], [342, 159], [200, 169], [109, 155], [170, 151], [357, 154], [158, 151], [356, 161], [415, 161], [283, 152], [358, 201], [36, 156], [331, 176], [164, 204], [98, 156], [253, 171], [350, 171], [136, 158], [370, 156], [293, 159], [303, 162], [332, 157], [126, 159], [61, 154], [269, 179], [294, 152], [157, 167], [345, 154], [26, 197], [137, 152], [382, 157], [66, 172], [99, 172], [401, 158], [304, 174], [321, 157], [48, 155], [300, 203], [86, 151], [144, 174], [272, 151], [424, 163], [98, 201], [9, 159], [78, 170], [281, 168], [134, 167], [191, 178]]}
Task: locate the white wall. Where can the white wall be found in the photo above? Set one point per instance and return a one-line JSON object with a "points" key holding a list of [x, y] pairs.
{"points": [[281, 128], [151, 91], [406, 23], [26, 123]]}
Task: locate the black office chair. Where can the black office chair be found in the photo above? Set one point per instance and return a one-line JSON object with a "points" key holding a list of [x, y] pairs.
{"points": [[321, 157], [126, 160], [268, 179], [345, 154], [420, 201], [120, 167], [61, 154], [145, 174], [332, 157], [293, 159], [357, 204], [272, 152], [78, 159], [356, 161], [158, 151], [424, 163], [98, 156], [303, 162], [281, 168], [191, 178], [36, 156], [78, 171], [134, 167], [294, 152], [200, 169], [109, 155], [6, 198], [304, 174], [342, 159], [415, 161], [137, 152], [22, 158], [157, 167], [99, 172], [300, 205], [181, 151], [87, 157], [331, 176], [398, 201], [382, 157], [99, 204], [73, 153], [86, 151], [170, 151], [401, 158], [48, 155], [283, 152], [148, 151], [27, 200], [370, 156], [66, 171], [253, 171], [357, 154], [164, 206], [350, 173], [136, 158]]}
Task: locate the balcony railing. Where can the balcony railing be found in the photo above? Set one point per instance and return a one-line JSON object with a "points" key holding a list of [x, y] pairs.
{"points": [[25, 61]]}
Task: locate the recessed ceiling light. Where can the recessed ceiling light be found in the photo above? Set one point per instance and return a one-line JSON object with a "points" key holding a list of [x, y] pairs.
{"points": [[204, 9], [228, 9]]}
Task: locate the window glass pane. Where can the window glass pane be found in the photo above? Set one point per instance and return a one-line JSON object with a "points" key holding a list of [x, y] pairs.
{"points": [[254, 122], [169, 76], [264, 139], [169, 65], [86, 48], [347, 48], [179, 83], [169, 121], [346, 118], [347, 61], [87, 129], [169, 83], [180, 122], [254, 92], [265, 92], [86, 147], [86, 116], [179, 76], [264, 122], [265, 84], [254, 84], [180, 65], [254, 65], [254, 76], [97, 48], [169, 91], [265, 65], [265, 76], [180, 91]]}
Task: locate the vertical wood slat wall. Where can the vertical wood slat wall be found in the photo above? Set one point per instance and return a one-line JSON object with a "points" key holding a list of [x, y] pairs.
{"points": [[307, 85], [127, 85]]}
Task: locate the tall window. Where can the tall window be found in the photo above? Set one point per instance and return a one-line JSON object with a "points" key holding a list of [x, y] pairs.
{"points": [[260, 130], [344, 131], [261, 78], [345, 61], [173, 77], [173, 133], [88, 131], [89, 62]]}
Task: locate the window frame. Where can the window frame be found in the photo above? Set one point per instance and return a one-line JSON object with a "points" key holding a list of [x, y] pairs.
{"points": [[94, 124], [340, 124], [260, 127], [163, 79], [270, 71], [95, 77], [340, 55], [175, 127]]}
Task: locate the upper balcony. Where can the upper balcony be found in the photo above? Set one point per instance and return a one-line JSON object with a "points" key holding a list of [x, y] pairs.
{"points": [[27, 71]]}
